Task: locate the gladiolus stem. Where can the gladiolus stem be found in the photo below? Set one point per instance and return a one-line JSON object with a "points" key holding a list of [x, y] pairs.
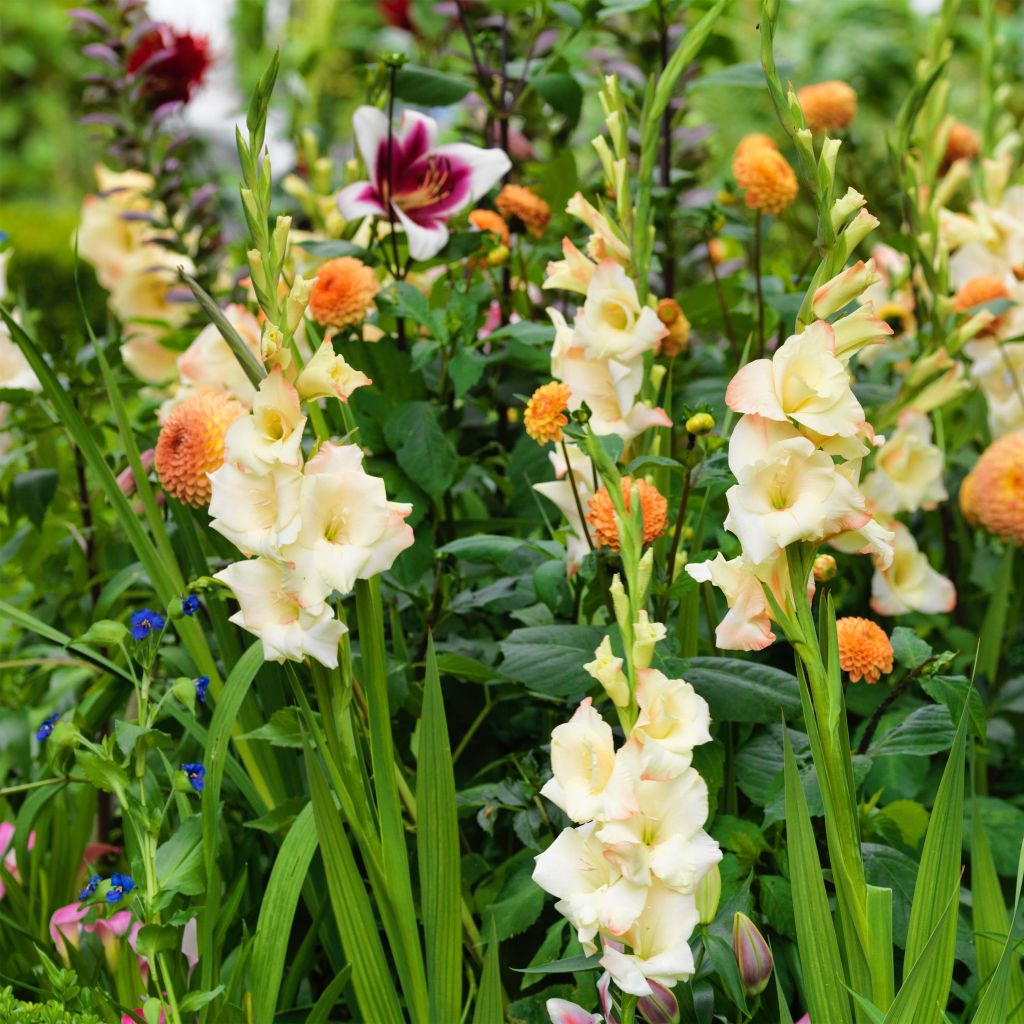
{"points": [[757, 283], [730, 333], [677, 534]]}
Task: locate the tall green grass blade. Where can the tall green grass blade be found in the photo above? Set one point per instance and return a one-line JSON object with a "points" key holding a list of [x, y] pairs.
{"points": [[989, 919], [406, 945], [816, 937], [437, 843], [321, 1012], [938, 876], [214, 759], [374, 986], [880, 962], [277, 912], [488, 1009]]}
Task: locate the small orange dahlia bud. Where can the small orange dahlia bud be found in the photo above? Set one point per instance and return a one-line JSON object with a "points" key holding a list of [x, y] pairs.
{"points": [[827, 106], [670, 313], [963, 143], [994, 497], [545, 412], [517, 201], [191, 444], [491, 222], [864, 649], [343, 293], [602, 513], [824, 568], [716, 250], [763, 174]]}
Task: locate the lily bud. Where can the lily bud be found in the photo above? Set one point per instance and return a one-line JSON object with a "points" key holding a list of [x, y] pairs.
{"points": [[700, 423], [708, 894], [660, 1007], [824, 568], [753, 956]]}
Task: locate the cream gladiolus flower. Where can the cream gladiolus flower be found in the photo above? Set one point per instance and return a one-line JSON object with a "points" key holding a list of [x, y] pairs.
{"points": [[659, 943], [673, 720], [268, 609], [349, 528], [612, 324], [607, 670], [273, 433], [842, 289], [582, 761], [593, 894], [209, 364], [605, 241], [328, 375], [15, 371], [664, 838], [910, 584], [1000, 376], [804, 382], [572, 274], [791, 492], [257, 512], [908, 469]]}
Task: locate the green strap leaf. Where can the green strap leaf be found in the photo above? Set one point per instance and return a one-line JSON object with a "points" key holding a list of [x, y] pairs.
{"points": [[816, 937], [488, 1008], [437, 843]]}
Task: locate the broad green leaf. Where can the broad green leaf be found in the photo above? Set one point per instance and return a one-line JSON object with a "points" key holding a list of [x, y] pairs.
{"points": [[427, 88], [283, 730], [489, 1009], [561, 92], [927, 730], [277, 913], [550, 659], [179, 861], [32, 492], [105, 632], [932, 924], [739, 691], [955, 692], [816, 937], [1004, 826], [422, 448], [437, 844], [908, 648], [376, 993]]}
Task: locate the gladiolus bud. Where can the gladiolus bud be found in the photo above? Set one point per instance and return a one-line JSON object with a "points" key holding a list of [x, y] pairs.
{"points": [[619, 601], [753, 956], [824, 568], [700, 423], [607, 670], [708, 894], [645, 635], [298, 300], [643, 575], [842, 208], [844, 288]]}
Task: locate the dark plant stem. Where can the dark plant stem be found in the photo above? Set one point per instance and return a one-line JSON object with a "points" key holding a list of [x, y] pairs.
{"points": [[730, 332], [669, 258], [576, 494], [757, 284], [677, 533], [397, 271], [872, 726]]}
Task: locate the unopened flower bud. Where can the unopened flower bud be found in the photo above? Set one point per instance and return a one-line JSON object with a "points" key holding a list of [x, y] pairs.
{"points": [[184, 689], [660, 1007], [620, 601], [678, 338], [824, 568], [700, 423], [497, 256], [126, 478], [753, 956], [607, 670], [643, 574], [64, 735], [645, 635], [708, 894], [298, 300]]}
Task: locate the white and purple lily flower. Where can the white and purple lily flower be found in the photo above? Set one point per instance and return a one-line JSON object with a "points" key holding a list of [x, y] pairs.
{"points": [[428, 183]]}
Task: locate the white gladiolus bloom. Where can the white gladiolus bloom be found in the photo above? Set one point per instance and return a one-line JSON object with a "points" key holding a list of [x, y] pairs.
{"points": [[908, 469], [273, 433], [659, 940], [593, 894], [209, 364], [349, 528], [270, 611], [328, 375], [15, 371], [582, 761], [611, 323], [804, 381], [257, 512], [665, 837], [910, 584], [560, 492], [607, 670], [673, 720]]}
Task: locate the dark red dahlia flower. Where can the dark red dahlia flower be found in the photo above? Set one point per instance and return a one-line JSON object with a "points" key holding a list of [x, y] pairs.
{"points": [[172, 64], [397, 13]]}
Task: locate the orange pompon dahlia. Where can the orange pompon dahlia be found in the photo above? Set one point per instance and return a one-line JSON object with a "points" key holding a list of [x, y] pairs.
{"points": [[191, 444], [992, 495], [763, 174], [491, 222], [545, 412], [602, 513], [963, 144], [517, 201], [864, 649], [671, 314], [343, 293], [827, 106], [755, 140], [980, 289]]}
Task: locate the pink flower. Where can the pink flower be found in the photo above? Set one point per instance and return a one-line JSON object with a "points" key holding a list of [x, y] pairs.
{"points": [[7, 852], [66, 926], [422, 183]]}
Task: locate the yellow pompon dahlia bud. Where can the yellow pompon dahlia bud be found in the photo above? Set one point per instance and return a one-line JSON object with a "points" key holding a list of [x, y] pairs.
{"points": [[824, 568], [545, 412], [753, 956], [827, 106], [191, 445], [963, 144], [763, 174], [992, 496], [678, 338], [708, 895], [700, 423], [344, 292], [498, 256], [864, 650], [602, 513], [527, 206]]}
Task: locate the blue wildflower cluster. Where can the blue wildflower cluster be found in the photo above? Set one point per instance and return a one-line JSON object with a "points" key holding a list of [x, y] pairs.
{"points": [[120, 886], [46, 728], [90, 887], [202, 685], [196, 775], [190, 605], [144, 622]]}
